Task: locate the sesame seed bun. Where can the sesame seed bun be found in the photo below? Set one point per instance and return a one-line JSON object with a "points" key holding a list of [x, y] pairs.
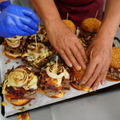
{"points": [[70, 24], [116, 57], [91, 25]]}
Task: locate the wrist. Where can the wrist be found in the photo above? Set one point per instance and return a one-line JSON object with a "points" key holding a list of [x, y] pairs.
{"points": [[53, 23]]}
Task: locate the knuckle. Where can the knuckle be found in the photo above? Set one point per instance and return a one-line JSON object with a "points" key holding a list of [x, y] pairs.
{"points": [[94, 77], [88, 84], [97, 57]]}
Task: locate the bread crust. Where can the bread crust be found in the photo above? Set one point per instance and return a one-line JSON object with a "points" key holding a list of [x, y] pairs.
{"points": [[110, 79], [70, 24], [78, 87], [115, 62], [11, 56], [91, 25], [19, 102], [54, 96]]}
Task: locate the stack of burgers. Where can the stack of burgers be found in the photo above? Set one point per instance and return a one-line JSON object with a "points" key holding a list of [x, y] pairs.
{"points": [[88, 29], [52, 78], [13, 46]]}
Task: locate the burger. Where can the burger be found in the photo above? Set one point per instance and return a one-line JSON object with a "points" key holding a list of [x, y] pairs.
{"points": [[70, 24], [114, 69], [54, 81], [36, 54], [75, 79], [40, 36], [88, 29], [13, 46], [20, 85]]}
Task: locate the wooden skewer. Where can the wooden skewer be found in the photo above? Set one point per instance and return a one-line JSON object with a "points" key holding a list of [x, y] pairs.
{"points": [[77, 31], [56, 62], [36, 42], [67, 16], [91, 55], [96, 14]]}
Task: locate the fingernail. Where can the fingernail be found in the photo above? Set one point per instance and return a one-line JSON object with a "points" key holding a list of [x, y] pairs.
{"points": [[70, 65], [95, 88], [103, 82], [79, 68], [86, 60], [84, 67]]}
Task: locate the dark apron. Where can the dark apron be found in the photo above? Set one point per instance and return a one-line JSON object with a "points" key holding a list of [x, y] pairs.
{"points": [[80, 9]]}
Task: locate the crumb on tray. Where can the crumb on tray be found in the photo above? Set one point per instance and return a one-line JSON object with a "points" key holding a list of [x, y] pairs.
{"points": [[25, 116], [4, 103], [8, 61]]}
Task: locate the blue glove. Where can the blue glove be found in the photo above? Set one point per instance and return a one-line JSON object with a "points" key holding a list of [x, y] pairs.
{"points": [[17, 20]]}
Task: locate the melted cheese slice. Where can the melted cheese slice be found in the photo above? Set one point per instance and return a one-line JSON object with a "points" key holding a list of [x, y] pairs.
{"points": [[36, 54], [20, 78], [53, 73]]}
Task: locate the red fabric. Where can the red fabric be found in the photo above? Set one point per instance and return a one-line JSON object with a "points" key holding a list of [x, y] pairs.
{"points": [[79, 9]]}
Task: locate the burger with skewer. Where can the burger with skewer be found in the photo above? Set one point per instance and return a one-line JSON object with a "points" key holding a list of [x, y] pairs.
{"points": [[13, 46], [54, 81], [114, 69], [20, 85]]}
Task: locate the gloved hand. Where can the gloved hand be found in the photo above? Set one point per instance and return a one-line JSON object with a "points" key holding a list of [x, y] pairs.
{"points": [[17, 20]]}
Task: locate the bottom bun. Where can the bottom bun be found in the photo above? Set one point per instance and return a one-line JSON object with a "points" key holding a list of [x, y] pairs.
{"points": [[78, 87], [54, 96], [110, 79], [17, 102], [57, 96], [11, 56]]}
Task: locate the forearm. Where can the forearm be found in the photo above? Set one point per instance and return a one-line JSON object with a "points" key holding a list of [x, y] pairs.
{"points": [[47, 11], [111, 20]]}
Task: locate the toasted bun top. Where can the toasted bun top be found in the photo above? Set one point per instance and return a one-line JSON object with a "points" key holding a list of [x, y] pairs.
{"points": [[70, 24], [116, 57], [91, 25]]}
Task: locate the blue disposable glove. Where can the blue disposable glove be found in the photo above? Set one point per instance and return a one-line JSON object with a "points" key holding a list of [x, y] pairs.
{"points": [[17, 20]]}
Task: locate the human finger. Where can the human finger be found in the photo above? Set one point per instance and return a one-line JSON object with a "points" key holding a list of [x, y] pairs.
{"points": [[29, 22], [24, 27], [65, 58], [89, 71], [100, 78], [15, 29], [78, 56], [72, 58], [30, 13], [94, 76], [104, 73], [82, 51]]}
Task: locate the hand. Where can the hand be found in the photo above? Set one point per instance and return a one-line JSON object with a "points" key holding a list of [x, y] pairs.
{"points": [[67, 44], [100, 58], [17, 20]]}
